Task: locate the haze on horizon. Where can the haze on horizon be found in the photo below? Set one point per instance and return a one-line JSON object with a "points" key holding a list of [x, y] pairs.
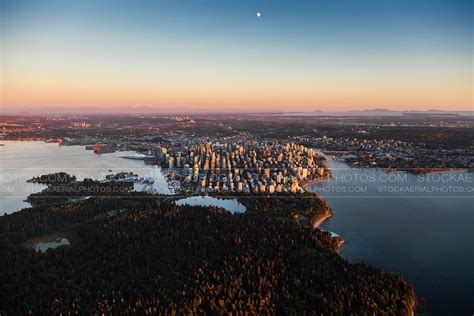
{"points": [[299, 55]]}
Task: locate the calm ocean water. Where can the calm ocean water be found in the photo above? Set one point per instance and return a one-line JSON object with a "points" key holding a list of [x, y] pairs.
{"points": [[20, 161], [419, 226]]}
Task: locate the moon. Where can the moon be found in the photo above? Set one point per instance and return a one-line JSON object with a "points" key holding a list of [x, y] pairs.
{"points": [[259, 14]]}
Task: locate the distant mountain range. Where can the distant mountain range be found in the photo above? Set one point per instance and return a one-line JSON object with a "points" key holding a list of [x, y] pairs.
{"points": [[382, 112], [194, 111]]}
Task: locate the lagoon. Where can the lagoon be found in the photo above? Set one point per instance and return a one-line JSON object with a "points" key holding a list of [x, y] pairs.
{"points": [[231, 205], [45, 246]]}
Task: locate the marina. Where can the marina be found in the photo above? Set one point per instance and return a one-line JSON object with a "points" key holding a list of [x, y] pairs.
{"points": [[22, 160]]}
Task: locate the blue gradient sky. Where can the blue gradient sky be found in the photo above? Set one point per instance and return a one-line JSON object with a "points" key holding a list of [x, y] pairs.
{"points": [[216, 54]]}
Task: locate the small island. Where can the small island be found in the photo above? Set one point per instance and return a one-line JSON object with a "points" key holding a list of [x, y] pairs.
{"points": [[53, 178], [61, 190]]}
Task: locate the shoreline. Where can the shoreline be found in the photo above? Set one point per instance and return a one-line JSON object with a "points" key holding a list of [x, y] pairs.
{"points": [[340, 240], [413, 170], [307, 184], [321, 220]]}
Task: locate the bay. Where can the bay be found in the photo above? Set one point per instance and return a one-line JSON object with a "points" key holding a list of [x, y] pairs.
{"points": [[20, 161], [419, 226]]}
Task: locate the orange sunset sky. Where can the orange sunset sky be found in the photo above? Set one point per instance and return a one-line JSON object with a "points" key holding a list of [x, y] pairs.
{"points": [[211, 55]]}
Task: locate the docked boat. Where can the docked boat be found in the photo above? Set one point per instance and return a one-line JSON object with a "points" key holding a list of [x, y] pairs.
{"points": [[103, 149], [148, 181]]}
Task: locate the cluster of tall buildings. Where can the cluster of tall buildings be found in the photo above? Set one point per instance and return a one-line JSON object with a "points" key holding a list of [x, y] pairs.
{"points": [[239, 167]]}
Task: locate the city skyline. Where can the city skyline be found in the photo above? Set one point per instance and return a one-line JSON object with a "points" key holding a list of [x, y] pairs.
{"points": [[220, 55]]}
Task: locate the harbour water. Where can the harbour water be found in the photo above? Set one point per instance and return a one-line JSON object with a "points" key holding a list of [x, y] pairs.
{"points": [[20, 161], [419, 226]]}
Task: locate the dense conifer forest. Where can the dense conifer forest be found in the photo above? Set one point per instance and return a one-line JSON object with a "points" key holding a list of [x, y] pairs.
{"points": [[144, 254]]}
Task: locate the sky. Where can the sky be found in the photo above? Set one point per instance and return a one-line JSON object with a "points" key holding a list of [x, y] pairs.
{"points": [[298, 55]]}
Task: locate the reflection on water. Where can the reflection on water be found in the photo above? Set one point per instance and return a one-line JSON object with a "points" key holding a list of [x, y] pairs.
{"points": [[20, 161], [420, 226], [44, 246], [231, 205]]}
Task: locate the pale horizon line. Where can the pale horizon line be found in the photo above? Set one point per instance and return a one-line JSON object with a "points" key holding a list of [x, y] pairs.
{"points": [[58, 110]]}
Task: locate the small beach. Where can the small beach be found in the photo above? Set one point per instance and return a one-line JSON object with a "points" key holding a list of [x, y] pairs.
{"points": [[320, 221]]}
